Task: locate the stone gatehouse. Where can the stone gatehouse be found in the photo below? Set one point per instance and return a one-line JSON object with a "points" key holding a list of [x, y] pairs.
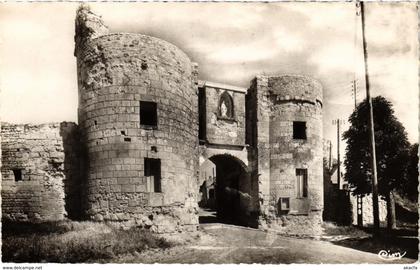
{"points": [[152, 140]]}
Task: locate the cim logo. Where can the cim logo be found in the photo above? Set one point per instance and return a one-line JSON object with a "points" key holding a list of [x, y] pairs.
{"points": [[389, 256]]}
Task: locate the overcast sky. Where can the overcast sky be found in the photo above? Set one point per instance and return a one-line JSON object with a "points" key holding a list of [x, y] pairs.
{"points": [[231, 42]]}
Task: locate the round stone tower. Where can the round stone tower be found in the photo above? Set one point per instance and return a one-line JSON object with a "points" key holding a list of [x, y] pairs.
{"points": [[290, 152], [138, 111]]}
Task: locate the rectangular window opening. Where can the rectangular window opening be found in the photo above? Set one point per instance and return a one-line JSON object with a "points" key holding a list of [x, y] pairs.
{"points": [[148, 114], [18, 174], [302, 183], [153, 175], [299, 130], [283, 206], [201, 115]]}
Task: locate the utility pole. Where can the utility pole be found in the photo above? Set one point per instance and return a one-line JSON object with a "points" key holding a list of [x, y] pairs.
{"points": [[338, 154], [371, 132], [354, 92], [359, 198], [329, 163], [337, 122]]}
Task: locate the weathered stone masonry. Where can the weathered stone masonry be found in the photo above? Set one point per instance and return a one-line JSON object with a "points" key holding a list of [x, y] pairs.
{"points": [[39, 172], [275, 105], [145, 124], [117, 72]]}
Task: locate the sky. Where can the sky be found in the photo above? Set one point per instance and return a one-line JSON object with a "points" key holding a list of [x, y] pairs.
{"points": [[231, 42]]}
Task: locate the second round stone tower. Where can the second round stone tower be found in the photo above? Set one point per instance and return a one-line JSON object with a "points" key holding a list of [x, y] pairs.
{"points": [[285, 131], [138, 113]]}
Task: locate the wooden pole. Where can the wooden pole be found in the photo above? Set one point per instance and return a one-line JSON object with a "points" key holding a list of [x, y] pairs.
{"points": [[329, 163], [338, 154], [371, 132], [359, 198], [355, 93]]}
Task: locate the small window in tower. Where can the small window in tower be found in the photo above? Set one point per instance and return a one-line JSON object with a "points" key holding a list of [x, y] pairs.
{"points": [[148, 114], [299, 130], [153, 175], [283, 206], [18, 174], [226, 106], [201, 115], [301, 183]]}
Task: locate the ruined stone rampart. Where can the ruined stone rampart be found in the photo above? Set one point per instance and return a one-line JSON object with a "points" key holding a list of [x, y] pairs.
{"points": [[36, 172]]}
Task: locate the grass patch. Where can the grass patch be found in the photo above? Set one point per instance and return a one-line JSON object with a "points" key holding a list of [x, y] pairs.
{"points": [[73, 242]]}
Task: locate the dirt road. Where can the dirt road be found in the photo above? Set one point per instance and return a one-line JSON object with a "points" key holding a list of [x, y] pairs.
{"points": [[221, 243]]}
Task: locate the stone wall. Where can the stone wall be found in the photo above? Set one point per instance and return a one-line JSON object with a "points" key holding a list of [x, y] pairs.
{"points": [[75, 170], [240, 153], [281, 101], [34, 172], [257, 135], [221, 129], [207, 178], [367, 210], [117, 71]]}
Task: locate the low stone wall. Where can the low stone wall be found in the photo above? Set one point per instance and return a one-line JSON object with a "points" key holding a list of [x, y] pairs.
{"points": [[367, 210]]}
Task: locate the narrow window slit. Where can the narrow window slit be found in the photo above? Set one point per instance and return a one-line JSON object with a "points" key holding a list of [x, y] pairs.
{"points": [[152, 171], [18, 174]]}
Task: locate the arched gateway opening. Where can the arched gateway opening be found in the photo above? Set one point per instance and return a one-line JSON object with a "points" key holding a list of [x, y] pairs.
{"points": [[226, 191]]}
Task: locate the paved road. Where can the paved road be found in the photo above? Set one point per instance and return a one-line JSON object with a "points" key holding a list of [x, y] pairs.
{"points": [[230, 244]]}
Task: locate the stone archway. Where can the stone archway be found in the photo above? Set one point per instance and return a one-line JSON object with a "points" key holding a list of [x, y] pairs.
{"points": [[232, 191]]}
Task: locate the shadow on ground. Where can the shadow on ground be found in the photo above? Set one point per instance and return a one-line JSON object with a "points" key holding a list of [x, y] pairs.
{"points": [[207, 219], [409, 246], [402, 240]]}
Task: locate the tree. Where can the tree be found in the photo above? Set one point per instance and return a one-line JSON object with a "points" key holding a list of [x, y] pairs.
{"points": [[409, 188], [391, 146]]}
